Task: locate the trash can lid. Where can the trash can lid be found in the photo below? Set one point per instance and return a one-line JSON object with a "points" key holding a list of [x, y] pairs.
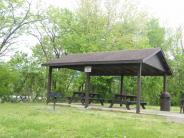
{"points": [[165, 95]]}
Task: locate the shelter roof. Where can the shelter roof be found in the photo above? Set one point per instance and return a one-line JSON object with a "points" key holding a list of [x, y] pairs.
{"points": [[123, 62]]}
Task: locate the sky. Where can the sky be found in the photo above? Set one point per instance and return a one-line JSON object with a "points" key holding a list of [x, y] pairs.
{"points": [[170, 12]]}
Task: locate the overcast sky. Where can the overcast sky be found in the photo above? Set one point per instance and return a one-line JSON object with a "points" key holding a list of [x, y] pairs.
{"points": [[170, 12]]}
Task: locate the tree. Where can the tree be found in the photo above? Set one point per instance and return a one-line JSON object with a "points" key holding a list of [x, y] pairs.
{"points": [[156, 34], [7, 79], [15, 17], [177, 57], [31, 79]]}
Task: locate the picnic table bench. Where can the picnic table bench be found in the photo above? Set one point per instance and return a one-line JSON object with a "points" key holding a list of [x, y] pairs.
{"points": [[80, 96], [125, 99]]}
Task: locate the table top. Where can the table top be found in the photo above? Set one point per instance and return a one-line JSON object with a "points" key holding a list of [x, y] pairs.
{"points": [[125, 96], [83, 93]]}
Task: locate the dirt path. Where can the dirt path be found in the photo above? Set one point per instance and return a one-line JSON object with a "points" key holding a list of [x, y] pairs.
{"points": [[170, 116]]}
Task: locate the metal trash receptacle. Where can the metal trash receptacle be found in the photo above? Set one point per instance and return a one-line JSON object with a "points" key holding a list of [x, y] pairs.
{"points": [[165, 101]]}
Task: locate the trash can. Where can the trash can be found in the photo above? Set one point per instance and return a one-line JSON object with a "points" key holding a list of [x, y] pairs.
{"points": [[165, 101]]}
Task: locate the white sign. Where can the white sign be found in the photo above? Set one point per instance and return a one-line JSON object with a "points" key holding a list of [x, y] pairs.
{"points": [[87, 69]]}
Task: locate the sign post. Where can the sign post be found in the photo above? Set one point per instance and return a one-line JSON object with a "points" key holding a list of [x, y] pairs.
{"points": [[87, 70]]}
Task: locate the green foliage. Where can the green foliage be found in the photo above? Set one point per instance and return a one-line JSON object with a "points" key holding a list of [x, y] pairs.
{"points": [[152, 87], [102, 85], [156, 34], [7, 79], [176, 80], [31, 77], [63, 81]]}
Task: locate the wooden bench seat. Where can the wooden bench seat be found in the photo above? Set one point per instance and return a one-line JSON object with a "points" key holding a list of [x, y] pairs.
{"points": [[126, 100], [101, 100], [80, 96], [142, 103]]}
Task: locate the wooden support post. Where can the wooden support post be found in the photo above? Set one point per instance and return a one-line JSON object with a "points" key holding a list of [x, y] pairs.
{"points": [[165, 102], [165, 83], [138, 89], [121, 85], [87, 89], [54, 104], [49, 83]]}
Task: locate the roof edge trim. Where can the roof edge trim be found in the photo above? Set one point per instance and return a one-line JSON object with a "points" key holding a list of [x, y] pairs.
{"points": [[94, 63]]}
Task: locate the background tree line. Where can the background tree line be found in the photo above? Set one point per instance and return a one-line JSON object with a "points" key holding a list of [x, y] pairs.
{"points": [[95, 26]]}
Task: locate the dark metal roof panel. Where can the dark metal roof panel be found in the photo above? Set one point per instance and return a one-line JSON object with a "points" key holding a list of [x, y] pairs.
{"points": [[125, 56]]}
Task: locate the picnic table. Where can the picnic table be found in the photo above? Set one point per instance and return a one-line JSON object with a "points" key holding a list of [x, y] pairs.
{"points": [[125, 99], [80, 96]]}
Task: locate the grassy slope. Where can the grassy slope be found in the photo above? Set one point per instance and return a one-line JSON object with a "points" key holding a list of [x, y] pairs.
{"points": [[39, 120]]}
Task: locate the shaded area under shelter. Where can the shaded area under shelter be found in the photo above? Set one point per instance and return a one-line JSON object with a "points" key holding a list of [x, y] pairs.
{"points": [[142, 62]]}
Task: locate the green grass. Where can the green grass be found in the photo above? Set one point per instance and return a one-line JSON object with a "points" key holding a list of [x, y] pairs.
{"points": [[173, 108], [40, 121]]}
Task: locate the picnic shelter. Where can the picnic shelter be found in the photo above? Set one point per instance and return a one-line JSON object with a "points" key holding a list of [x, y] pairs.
{"points": [[141, 62]]}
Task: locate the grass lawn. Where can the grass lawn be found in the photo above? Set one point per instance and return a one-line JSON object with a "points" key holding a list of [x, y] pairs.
{"points": [[40, 121], [173, 108]]}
